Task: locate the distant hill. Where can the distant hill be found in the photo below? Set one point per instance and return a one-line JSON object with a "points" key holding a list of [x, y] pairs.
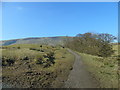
{"points": [[39, 40]]}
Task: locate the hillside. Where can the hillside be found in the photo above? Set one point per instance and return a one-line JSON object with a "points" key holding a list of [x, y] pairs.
{"points": [[105, 70], [39, 40], [35, 66]]}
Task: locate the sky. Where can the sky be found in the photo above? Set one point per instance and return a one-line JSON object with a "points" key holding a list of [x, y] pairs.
{"points": [[47, 19]]}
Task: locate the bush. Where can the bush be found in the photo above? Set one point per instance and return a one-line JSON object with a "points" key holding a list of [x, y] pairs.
{"points": [[32, 48], [4, 63], [38, 50], [91, 44], [42, 50], [51, 57], [46, 60], [39, 59], [41, 46], [25, 58], [106, 50], [47, 64], [7, 61], [18, 47]]}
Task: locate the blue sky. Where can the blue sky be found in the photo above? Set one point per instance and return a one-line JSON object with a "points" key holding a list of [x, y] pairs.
{"points": [[41, 19]]}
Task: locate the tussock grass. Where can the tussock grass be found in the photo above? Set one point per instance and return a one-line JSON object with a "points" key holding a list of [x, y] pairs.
{"points": [[33, 61]]}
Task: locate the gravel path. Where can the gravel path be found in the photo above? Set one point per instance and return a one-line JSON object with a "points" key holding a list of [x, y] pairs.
{"points": [[79, 77]]}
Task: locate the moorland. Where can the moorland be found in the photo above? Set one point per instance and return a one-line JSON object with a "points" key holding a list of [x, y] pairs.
{"points": [[47, 62]]}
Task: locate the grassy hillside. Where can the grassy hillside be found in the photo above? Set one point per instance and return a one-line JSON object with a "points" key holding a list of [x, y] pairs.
{"points": [[43, 40], [116, 47], [36, 66], [105, 70]]}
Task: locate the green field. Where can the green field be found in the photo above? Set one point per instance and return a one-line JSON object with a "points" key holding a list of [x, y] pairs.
{"points": [[105, 70], [36, 66]]}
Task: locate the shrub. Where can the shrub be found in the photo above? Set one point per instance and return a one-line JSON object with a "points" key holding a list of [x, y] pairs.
{"points": [[91, 44], [50, 54], [25, 58], [42, 50], [40, 45], [106, 50], [39, 59], [7, 61], [38, 50], [51, 57], [10, 61], [32, 48], [47, 64], [46, 60], [4, 63], [18, 47]]}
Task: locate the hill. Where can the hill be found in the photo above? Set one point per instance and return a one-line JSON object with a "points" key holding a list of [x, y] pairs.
{"points": [[35, 66], [104, 69], [39, 40]]}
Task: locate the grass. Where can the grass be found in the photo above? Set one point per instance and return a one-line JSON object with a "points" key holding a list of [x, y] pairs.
{"points": [[105, 70], [27, 71], [52, 76], [116, 47], [64, 62]]}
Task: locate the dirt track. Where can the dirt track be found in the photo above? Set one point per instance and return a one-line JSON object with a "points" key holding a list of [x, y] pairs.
{"points": [[79, 77]]}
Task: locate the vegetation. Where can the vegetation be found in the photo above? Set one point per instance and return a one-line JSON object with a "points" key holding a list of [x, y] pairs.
{"points": [[42, 40], [40, 65], [105, 70], [94, 44], [99, 55], [34, 65]]}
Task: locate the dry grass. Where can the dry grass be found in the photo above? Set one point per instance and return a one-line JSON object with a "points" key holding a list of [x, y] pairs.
{"points": [[105, 70], [59, 71]]}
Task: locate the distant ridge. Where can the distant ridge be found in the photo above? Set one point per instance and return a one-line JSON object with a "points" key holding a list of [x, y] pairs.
{"points": [[58, 40]]}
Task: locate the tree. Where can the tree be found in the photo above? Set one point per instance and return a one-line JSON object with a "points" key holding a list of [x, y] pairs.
{"points": [[107, 37], [106, 50], [90, 43]]}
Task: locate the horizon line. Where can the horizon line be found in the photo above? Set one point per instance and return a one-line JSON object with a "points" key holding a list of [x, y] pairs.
{"points": [[35, 37]]}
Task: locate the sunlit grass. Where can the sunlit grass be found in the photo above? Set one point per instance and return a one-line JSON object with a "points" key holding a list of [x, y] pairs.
{"points": [[104, 69], [61, 68]]}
